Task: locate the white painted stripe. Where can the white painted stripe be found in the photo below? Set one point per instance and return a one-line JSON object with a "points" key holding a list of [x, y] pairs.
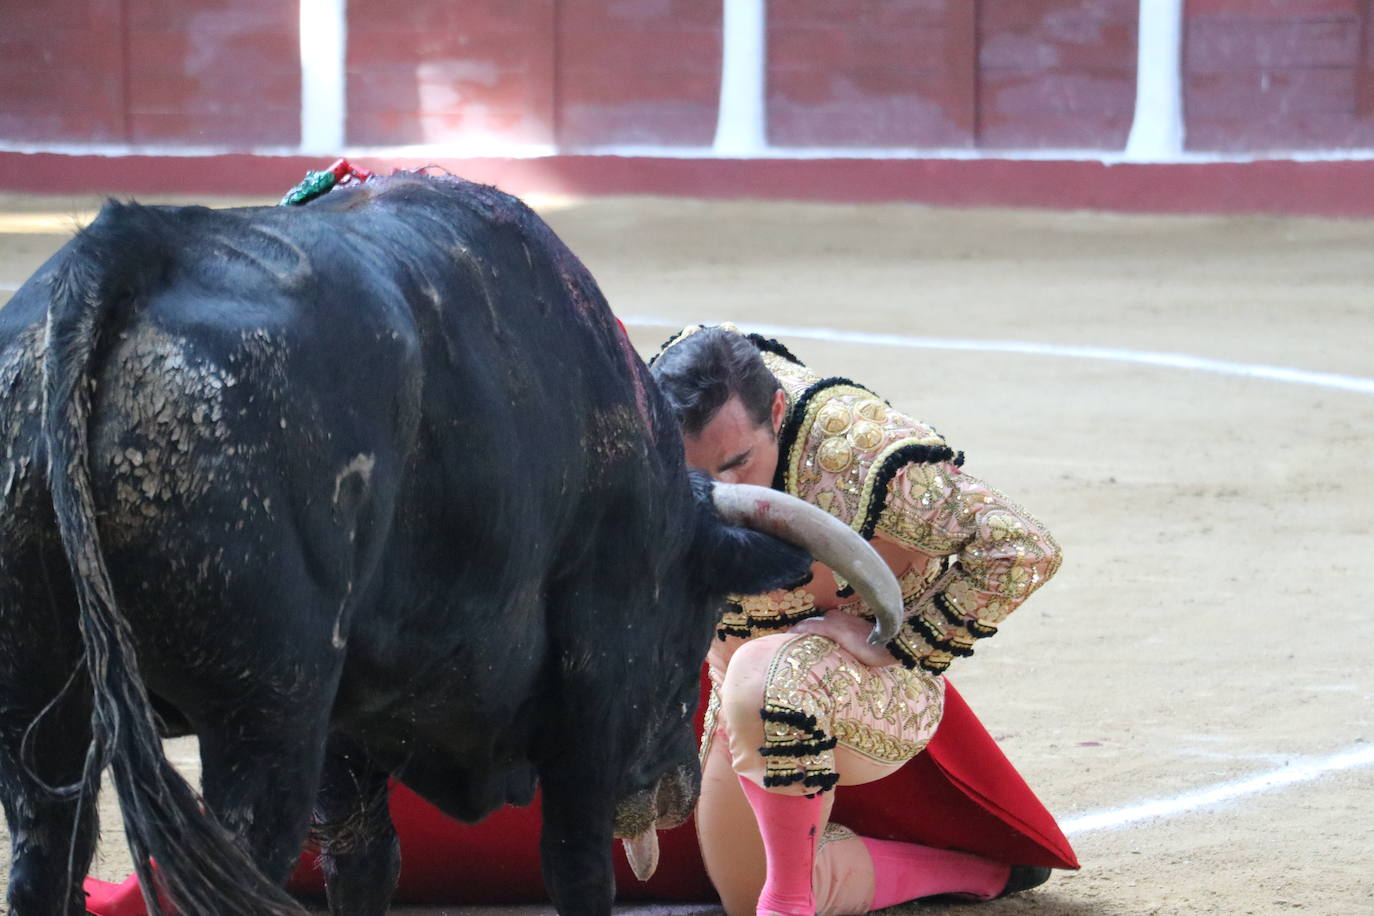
{"points": [[1157, 128], [324, 36], [1146, 357], [1288, 775], [741, 123]]}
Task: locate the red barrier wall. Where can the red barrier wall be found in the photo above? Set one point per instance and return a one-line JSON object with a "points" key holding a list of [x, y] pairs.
{"points": [[219, 73], [871, 73], [429, 71], [1056, 74], [1279, 74], [998, 74], [62, 71], [637, 72], [580, 75], [576, 74], [1274, 186]]}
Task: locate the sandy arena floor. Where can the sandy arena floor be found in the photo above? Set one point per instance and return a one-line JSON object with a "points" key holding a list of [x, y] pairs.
{"points": [[1192, 694]]}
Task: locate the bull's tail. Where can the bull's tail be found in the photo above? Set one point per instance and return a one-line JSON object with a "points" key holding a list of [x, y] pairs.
{"points": [[200, 866]]}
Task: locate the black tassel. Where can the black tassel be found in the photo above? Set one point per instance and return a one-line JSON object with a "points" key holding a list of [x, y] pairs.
{"points": [[784, 779], [943, 606], [979, 630], [798, 748], [932, 666], [792, 717], [769, 345], [936, 640], [823, 781]]}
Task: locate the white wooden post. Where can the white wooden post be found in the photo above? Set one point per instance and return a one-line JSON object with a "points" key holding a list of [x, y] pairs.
{"points": [[1157, 128], [741, 126], [324, 36]]}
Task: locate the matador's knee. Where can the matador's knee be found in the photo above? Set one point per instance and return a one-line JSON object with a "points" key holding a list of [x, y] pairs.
{"points": [[776, 708]]}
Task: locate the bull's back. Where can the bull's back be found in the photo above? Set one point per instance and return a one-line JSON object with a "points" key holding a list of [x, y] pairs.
{"points": [[412, 392]]}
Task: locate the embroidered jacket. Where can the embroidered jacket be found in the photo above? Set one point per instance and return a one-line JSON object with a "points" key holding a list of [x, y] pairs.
{"points": [[846, 450]]}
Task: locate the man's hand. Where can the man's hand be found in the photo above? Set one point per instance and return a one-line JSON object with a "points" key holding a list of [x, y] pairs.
{"points": [[851, 633]]}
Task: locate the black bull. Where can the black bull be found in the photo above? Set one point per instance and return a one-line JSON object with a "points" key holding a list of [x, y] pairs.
{"points": [[371, 487]]}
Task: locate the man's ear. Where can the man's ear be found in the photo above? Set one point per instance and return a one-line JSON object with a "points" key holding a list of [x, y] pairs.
{"points": [[779, 410]]}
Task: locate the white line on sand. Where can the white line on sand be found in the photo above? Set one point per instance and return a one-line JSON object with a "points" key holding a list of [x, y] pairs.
{"points": [[1147, 357], [1287, 775]]}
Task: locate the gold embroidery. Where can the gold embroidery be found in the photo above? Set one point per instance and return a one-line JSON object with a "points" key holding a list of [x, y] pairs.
{"points": [[834, 833], [866, 435], [873, 743], [914, 583], [789, 606], [708, 729], [921, 510], [747, 614], [872, 409], [912, 647], [688, 331], [843, 436], [834, 419], [834, 455], [817, 695]]}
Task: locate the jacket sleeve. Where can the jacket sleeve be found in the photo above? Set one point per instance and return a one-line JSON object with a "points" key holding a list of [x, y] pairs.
{"points": [[995, 555]]}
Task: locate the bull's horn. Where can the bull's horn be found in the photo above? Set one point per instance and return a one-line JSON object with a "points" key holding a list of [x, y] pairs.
{"points": [[827, 538], [642, 852]]}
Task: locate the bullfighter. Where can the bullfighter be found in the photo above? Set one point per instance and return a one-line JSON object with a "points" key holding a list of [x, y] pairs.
{"points": [[800, 701]]}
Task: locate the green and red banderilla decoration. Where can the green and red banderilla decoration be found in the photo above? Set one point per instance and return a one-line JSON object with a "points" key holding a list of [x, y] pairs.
{"points": [[314, 184]]}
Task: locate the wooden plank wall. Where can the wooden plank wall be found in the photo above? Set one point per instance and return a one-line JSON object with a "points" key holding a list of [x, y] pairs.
{"points": [[575, 75], [180, 72], [1278, 74], [996, 74], [871, 73], [1056, 74], [429, 71], [637, 72]]}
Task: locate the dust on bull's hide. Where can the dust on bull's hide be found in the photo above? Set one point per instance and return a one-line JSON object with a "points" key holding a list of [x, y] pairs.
{"points": [[171, 402], [613, 435], [350, 484], [350, 489], [21, 395], [171, 427]]}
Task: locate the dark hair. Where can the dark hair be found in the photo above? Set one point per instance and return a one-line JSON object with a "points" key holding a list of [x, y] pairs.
{"points": [[701, 372]]}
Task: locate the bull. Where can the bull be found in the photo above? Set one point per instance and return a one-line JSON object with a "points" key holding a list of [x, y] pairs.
{"points": [[373, 488]]}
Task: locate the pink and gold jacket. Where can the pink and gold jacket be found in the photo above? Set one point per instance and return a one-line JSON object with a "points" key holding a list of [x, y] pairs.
{"points": [[976, 555]]}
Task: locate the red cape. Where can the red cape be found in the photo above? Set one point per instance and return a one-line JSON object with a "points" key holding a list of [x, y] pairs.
{"points": [[961, 793]]}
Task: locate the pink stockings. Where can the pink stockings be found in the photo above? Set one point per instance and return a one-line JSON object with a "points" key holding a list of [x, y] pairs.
{"points": [[773, 850], [790, 826], [905, 871]]}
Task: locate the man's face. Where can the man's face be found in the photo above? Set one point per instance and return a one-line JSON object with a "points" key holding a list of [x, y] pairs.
{"points": [[732, 448]]}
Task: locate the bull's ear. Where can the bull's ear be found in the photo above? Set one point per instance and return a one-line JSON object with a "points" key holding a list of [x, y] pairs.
{"points": [[740, 561], [731, 560]]}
